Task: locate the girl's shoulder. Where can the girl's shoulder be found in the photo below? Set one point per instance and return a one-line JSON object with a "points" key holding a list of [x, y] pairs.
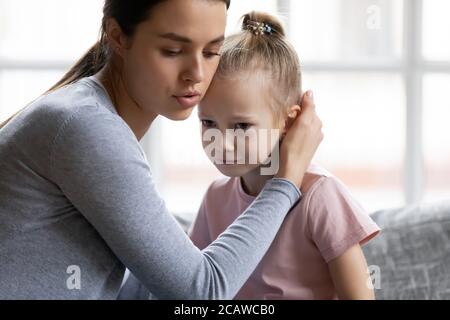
{"points": [[320, 185], [313, 175]]}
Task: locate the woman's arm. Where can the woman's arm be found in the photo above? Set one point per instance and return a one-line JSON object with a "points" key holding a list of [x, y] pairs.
{"points": [[98, 164], [350, 275]]}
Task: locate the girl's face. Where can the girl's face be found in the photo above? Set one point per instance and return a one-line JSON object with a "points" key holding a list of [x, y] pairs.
{"points": [[170, 60], [239, 103]]}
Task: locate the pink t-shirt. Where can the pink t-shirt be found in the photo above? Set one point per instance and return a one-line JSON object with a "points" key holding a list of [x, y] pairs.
{"points": [[322, 226]]}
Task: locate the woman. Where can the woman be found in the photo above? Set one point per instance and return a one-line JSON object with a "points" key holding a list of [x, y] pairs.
{"points": [[77, 200]]}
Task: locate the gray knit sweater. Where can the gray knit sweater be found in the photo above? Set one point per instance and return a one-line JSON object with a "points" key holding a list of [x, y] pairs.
{"points": [[78, 204]]}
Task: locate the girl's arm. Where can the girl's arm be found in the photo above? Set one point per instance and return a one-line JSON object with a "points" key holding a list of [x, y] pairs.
{"points": [[350, 275]]}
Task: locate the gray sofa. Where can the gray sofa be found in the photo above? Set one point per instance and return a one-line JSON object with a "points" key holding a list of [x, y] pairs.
{"points": [[412, 253]]}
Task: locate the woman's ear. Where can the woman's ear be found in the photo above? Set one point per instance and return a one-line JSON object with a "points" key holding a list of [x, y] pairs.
{"points": [[115, 36]]}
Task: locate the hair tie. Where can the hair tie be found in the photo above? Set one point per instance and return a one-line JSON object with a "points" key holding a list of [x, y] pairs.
{"points": [[258, 28]]}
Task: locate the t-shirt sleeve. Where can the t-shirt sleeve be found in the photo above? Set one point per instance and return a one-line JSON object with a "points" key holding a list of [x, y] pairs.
{"points": [[98, 164], [336, 220], [199, 231]]}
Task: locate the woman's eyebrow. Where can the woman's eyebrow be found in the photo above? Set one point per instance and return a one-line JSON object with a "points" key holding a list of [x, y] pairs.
{"points": [[179, 38], [217, 40]]}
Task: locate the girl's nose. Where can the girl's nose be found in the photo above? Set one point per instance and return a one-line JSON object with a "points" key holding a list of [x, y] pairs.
{"points": [[229, 147]]}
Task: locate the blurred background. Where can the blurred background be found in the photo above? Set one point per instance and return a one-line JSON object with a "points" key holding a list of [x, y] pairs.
{"points": [[380, 71]]}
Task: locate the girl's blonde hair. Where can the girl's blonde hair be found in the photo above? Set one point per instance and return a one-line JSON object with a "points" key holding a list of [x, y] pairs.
{"points": [[261, 46]]}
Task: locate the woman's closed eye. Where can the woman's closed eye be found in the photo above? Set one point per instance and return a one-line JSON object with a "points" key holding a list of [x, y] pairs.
{"points": [[171, 52]]}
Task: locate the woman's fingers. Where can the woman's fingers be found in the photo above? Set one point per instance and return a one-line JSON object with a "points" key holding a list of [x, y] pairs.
{"points": [[308, 118], [301, 141], [308, 99]]}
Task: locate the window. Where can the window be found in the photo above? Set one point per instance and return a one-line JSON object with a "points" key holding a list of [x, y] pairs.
{"points": [[383, 112], [436, 136], [380, 70], [39, 41], [435, 79], [351, 52], [436, 29], [364, 132]]}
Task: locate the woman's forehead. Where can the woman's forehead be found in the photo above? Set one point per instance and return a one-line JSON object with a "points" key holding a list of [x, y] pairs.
{"points": [[197, 20]]}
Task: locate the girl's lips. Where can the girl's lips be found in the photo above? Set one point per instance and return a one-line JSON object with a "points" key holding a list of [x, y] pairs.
{"points": [[188, 101]]}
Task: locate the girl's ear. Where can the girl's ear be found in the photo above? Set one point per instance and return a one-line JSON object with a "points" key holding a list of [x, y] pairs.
{"points": [[292, 114]]}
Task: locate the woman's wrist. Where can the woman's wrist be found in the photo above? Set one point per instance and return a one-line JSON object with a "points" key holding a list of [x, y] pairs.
{"points": [[287, 187], [293, 171]]}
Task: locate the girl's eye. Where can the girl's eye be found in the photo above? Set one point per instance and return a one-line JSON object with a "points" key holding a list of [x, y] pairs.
{"points": [[208, 123], [171, 53], [242, 126]]}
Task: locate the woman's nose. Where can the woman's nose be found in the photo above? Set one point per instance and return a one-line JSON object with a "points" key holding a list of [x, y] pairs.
{"points": [[194, 72]]}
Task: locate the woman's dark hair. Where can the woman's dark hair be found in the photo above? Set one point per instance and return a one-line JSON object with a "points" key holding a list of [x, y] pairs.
{"points": [[128, 14]]}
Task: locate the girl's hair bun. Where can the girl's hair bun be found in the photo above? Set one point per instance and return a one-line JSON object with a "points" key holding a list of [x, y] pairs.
{"points": [[260, 23]]}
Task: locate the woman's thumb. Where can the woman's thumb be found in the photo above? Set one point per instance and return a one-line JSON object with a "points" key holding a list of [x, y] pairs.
{"points": [[308, 99]]}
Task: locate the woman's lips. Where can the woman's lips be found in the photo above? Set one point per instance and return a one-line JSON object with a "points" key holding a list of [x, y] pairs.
{"points": [[188, 101]]}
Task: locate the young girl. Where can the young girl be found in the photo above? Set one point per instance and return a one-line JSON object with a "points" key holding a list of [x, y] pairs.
{"points": [[317, 252]]}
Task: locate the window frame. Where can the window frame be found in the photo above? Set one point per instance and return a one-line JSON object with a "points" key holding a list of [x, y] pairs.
{"points": [[412, 67]]}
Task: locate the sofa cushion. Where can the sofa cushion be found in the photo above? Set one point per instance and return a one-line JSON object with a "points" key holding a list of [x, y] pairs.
{"points": [[412, 252]]}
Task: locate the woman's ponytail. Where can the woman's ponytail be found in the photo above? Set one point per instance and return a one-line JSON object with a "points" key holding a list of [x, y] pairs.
{"points": [[91, 63]]}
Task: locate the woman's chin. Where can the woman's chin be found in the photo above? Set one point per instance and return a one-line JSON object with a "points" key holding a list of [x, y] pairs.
{"points": [[179, 115]]}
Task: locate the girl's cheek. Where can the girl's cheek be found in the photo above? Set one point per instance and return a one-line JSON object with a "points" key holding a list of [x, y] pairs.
{"points": [[253, 151], [271, 144]]}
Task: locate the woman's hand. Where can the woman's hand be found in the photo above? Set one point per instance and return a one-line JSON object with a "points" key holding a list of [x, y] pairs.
{"points": [[301, 142]]}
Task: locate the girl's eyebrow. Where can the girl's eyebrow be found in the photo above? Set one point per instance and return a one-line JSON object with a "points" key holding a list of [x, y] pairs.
{"points": [[234, 118], [249, 118], [180, 38]]}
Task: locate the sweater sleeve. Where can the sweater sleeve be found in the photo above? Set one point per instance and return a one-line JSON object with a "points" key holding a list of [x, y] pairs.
{"points": [[98, 164], [199, 230]]}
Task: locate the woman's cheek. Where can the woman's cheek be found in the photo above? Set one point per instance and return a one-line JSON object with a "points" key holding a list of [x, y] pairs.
{"points": [[210, 72]]}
